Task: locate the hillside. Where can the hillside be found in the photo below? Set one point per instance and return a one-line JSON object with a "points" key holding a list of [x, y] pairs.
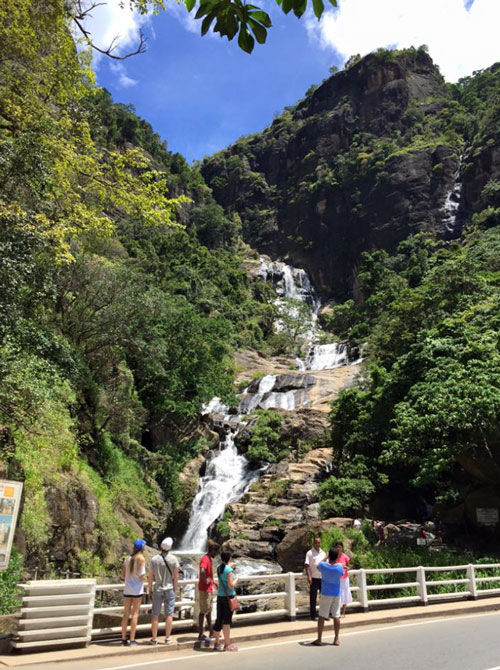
{"points": [[379, 151], [131, 296]]}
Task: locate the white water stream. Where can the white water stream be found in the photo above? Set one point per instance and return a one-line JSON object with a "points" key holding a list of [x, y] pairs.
{"points": [[452, 202], [227, 476]]}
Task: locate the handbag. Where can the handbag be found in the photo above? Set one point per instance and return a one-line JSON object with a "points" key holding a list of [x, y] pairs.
{"points": [[232, 601]]}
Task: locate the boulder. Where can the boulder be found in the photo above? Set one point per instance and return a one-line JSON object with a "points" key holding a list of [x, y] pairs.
{"points": [[250, 549], [291, 551]]}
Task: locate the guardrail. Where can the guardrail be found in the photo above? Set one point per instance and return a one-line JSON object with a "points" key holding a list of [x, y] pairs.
{"points": [[419, 588]]}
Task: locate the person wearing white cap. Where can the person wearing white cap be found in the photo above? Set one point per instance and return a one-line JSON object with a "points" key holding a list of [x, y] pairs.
{"points": [[163, 577]]}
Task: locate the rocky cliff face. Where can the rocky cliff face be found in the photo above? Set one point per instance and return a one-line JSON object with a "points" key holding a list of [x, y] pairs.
{"points": [[368, 158]]}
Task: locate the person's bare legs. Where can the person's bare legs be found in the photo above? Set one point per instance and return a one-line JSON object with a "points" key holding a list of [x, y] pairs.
{"points": [[336, 630], [168, 626], [209, 625], [226, 631], [126, 613], [344, 607], [135, 615], [154, 627], [321, 625]]}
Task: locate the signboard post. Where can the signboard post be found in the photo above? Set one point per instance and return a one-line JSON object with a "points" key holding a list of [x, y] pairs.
{"points": [[10, 500]]}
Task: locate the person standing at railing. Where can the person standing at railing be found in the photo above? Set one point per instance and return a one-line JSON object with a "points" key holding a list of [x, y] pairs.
{"points": [[225, 593], [163, 577], [313, 557], [345, 588], [331, 576], [205, 590], [132, 573]]}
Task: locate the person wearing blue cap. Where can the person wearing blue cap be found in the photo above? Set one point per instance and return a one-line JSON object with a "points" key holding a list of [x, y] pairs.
{"points": [[133, 573]]}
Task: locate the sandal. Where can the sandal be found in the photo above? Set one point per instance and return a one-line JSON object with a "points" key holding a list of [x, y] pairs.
{"points": [[336, 643], [218, 647], [231, 647], [317, 643]]}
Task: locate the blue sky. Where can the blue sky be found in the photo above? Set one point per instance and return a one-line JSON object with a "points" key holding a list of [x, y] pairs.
{"points": [[201, 94]]}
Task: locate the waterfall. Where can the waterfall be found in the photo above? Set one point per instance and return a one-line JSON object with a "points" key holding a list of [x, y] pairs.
{"points": [[452, 202], [294, 283], [226, 479], [326, 356], [228, 476]]}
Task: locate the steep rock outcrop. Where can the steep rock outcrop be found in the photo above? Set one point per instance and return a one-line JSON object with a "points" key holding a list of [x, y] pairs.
{"points": [[331, 177]]}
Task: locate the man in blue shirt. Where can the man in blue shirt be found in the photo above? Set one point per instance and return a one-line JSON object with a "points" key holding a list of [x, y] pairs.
{"points": [[331, 574]]}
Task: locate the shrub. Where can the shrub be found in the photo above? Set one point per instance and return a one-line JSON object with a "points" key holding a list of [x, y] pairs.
{"points": [[343, 496]]}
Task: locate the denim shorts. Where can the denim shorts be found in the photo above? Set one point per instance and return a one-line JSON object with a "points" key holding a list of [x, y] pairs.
{"points": [[166, 598]]}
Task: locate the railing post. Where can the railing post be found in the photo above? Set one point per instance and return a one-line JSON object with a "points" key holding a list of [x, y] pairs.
{"points": [[422, 585], [471, 576], [362, 591], [290, 604]]}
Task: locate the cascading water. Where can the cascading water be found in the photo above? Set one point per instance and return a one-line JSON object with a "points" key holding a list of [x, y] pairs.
{"points": [[452, 203], [228, 476], [294, 283], [226, 479]]}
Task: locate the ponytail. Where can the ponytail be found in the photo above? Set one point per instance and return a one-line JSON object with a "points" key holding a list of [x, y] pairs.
{"points": [[133, 561]]}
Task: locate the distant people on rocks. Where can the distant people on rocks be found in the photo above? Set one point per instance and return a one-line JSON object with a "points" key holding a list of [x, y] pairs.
{"points": [[379, 529], [163, 577], [132, 573], [345, 588], [205, 591], [331, 572], [226, 595], [314, 556]]}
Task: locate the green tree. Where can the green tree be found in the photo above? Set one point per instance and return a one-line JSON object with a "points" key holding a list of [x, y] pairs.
{"points": [[228, 18]]}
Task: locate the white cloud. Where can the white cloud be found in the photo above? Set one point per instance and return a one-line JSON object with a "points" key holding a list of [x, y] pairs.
{"points": [[184, 17], [459, 40], [124, 81], [111, 22]]}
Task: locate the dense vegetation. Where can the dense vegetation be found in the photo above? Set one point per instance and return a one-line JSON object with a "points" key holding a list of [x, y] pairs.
{"points": [[123, 297], [430, 398]]}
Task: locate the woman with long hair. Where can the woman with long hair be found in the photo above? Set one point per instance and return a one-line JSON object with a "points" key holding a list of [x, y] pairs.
{"points": [[132, 573], [345, 588], [225, 590]]}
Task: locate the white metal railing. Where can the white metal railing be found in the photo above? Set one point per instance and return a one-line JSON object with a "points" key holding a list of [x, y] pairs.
{"points": [[362, 586]]}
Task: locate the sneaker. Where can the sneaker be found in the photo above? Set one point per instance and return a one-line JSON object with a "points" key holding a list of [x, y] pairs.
{"points": [[132, 643], [153, 641], [124, 643], [206, 641], [168, 640], [219, 647]]}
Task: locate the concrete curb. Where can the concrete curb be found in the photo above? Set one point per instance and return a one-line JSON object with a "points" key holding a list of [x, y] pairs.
{"points": [[99, 651]]}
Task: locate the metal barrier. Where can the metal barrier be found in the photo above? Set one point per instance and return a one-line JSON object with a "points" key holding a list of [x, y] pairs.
{"points": [[422, 584]]}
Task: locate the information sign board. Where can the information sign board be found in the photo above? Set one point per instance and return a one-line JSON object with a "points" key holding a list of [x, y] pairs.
{"points": [[487, 516], [10, 500]]}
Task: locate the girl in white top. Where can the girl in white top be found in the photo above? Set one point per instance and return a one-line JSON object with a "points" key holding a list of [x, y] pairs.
{"points": [[132, 573]]}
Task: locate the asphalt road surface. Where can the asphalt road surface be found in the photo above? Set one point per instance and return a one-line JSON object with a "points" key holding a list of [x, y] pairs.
{"points": [[467, 642]]}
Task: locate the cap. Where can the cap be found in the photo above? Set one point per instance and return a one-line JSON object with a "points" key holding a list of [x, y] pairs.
{"points": [[139, 544], [166, 544]]}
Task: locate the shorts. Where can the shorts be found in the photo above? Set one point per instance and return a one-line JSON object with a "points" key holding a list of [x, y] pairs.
{"points": [[329, 607], [205, 602], [165, 598], [345, 591]]}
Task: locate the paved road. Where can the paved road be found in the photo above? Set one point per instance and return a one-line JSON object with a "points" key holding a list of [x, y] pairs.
{"points": [[467, 642]]}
